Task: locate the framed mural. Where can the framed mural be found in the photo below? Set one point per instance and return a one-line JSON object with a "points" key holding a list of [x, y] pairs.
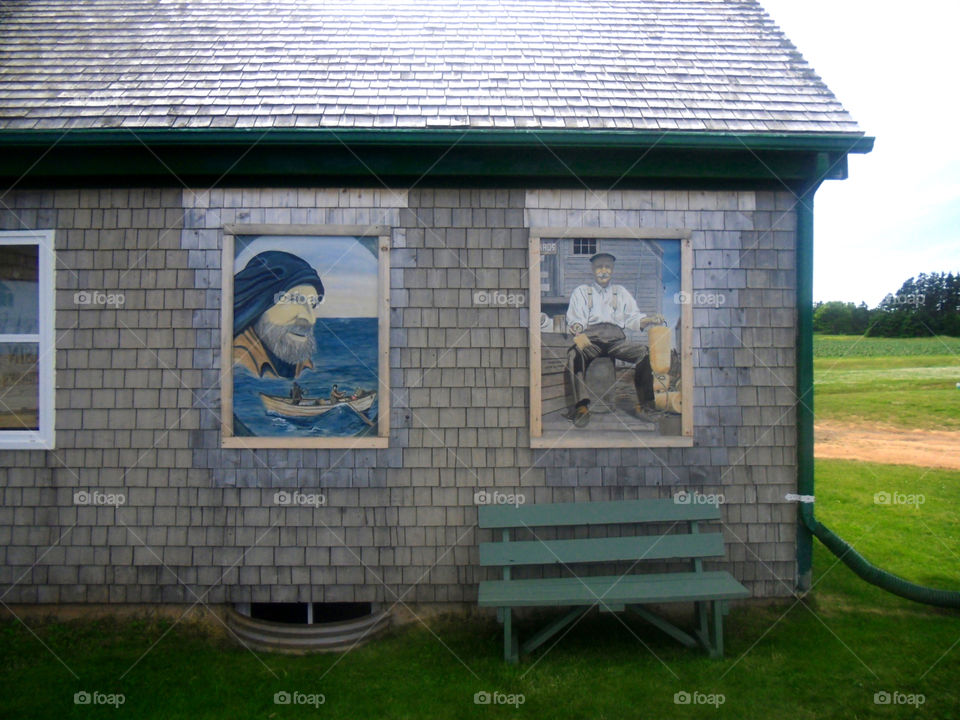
{"points": [[305, 341], [610, 338]]}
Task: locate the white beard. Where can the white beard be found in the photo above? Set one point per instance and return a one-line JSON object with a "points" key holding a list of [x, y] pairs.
{"points": [[279, 341]]}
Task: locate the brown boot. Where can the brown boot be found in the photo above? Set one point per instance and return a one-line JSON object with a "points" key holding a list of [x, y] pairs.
{"points": [[581, 416]]}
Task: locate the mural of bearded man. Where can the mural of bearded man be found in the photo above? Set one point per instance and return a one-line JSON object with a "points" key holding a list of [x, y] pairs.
{"points": [[274, 314]]}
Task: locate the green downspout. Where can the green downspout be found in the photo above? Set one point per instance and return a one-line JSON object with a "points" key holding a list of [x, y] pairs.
{"points": [[805, 384], [808, 526]]}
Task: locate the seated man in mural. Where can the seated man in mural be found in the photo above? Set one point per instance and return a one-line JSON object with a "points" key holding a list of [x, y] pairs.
{"points": [[596, 317], [275, 297]]}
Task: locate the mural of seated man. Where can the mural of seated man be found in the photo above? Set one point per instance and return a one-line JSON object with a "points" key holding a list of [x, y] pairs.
{"points": [[597, 315], [274, 314]]}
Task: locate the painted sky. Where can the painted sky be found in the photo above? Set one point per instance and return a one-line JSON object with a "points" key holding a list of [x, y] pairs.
{"points": [[894, 67]]}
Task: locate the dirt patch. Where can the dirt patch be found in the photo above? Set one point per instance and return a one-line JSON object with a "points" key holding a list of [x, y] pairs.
{"points": [[884, 444]]}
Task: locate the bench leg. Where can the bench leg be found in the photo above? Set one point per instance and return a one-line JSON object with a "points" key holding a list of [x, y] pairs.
{"points": [[511, 653], [703, 627], [717, 650]]}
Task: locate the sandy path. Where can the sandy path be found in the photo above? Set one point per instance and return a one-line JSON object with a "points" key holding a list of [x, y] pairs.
{"points": [[882, 444]]}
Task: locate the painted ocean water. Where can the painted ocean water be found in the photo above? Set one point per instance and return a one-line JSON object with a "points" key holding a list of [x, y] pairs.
{"points": [[346, 356]]}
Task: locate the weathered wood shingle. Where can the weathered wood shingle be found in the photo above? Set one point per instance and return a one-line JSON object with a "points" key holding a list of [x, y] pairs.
{"points": [[693, 65]]}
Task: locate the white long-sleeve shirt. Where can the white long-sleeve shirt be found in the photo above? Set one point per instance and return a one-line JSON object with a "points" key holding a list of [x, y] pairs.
{"points": [[592, 304]]}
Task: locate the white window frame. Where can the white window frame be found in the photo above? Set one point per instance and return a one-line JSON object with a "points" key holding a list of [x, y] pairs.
{"points": [[44, 438]]}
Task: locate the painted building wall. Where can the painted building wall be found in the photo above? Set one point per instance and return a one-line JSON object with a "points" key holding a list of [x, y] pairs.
{"points": [[138, 400]]}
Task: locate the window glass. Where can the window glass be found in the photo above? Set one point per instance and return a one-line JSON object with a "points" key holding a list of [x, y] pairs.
{"points": [[19, 386], [19, 289], [584, 246]]}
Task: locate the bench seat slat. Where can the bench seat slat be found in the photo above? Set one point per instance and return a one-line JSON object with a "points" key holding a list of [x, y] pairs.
{"points": [[594, 513], [626, 589], [586, 550]]}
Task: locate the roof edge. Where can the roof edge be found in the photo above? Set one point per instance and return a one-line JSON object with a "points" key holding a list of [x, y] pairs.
{"points": [[119, 137]]}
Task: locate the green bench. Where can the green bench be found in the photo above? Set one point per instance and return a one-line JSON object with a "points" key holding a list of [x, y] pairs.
{"points": [[682, 540]]}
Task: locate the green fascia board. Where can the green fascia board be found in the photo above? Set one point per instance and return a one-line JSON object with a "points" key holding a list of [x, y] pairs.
{"points": [[825, 142], [395, 157]]}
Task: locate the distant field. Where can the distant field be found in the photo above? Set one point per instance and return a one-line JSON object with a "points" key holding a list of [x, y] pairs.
{"points": [[909, 383], [847, 346]]}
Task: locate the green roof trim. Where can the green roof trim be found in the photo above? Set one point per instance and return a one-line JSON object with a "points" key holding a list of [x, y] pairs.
{"points": [[465, 158], [827, 142]]}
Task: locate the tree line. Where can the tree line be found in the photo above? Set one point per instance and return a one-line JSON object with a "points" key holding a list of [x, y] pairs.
{"points": [[923, 306]]}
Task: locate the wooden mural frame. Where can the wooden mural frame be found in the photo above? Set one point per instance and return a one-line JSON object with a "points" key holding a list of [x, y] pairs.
{"points": [[381, 439], [556, 439]]}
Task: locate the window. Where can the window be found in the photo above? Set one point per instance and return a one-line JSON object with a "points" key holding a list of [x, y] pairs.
{"points": [[584, 246], [305, 345], [27, 339], [611, 343]]}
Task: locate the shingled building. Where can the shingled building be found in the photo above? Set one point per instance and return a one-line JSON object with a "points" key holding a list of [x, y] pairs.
{"points": [[145, 145]]}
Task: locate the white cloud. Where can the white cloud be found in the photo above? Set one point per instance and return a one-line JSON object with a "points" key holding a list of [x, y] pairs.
{"points": [[894, 69]]}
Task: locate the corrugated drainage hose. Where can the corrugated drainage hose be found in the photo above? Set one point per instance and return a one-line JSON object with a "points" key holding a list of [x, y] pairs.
{"points": [[865, 570]]}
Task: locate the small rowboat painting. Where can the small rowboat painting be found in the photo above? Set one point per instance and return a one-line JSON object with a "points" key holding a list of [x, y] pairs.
{"points": [[305, 351], [311, 407]]}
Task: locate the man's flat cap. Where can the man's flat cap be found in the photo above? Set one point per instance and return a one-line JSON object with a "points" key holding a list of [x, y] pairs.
{"points": [[600, 256]]}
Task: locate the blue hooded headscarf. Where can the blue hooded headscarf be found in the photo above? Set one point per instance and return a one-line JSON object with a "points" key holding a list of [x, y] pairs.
{"points": [[255, 288]]}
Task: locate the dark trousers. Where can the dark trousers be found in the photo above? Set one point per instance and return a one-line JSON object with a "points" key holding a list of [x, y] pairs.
{"points": [[609, 341]]}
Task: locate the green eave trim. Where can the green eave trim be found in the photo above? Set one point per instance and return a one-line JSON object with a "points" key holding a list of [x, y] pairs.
{"points": [[397, 157], [827, 142]]}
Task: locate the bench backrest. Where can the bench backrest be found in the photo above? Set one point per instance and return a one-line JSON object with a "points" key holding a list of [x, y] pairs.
{"points": [[687, 545], [594, 513]]}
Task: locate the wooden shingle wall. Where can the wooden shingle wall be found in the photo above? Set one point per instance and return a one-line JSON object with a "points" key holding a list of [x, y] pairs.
{"points": [[138, 400]]}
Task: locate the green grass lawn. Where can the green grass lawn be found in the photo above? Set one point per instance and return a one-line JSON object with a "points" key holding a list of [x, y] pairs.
{"points": [[908, 383], [823, 658]]}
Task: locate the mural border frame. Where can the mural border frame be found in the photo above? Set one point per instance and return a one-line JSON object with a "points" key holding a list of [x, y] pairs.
{"points": [[539, 440], [227, 439]]}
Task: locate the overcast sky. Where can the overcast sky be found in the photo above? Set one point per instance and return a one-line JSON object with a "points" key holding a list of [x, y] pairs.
{"points": [[894, 67]]}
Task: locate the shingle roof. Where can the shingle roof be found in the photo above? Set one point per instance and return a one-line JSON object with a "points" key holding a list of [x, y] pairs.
{"points": [[688, 65]]}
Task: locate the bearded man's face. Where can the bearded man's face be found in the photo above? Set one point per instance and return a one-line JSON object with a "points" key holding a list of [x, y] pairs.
{"points": [[286, 328]]}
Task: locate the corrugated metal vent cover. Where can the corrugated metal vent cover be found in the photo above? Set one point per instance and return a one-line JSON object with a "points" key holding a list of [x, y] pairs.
{"points": [[305, 627]]}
